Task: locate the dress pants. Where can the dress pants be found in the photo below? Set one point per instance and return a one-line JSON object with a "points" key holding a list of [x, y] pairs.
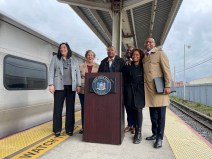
{"points": [[82, 101], [158, 115], [138, 117], [130, 116], [59, 97]]}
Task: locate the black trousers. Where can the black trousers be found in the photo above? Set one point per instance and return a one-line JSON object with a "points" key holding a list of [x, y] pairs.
{"points": [[130, 116], [158, 115], [59, 97], [82, 101], [138, 117]]}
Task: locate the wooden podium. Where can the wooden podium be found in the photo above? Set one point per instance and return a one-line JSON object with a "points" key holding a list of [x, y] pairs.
{"points": [[104, 114]]}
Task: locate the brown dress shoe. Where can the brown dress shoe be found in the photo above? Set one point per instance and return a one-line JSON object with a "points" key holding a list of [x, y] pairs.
{"points": [[127, 129]]}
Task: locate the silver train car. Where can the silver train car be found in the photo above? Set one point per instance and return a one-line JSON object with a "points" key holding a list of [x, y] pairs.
{"points": [[25, 56]]}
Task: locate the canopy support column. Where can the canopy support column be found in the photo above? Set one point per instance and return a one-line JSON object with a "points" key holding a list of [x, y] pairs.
{"points": [[117, 26]]}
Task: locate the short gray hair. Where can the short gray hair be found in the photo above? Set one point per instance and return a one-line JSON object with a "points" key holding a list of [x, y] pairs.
{"points": [[111, 47], [86, 53]]}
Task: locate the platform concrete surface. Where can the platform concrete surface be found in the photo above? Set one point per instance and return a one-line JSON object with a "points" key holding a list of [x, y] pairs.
{"points": [[75, 148]]}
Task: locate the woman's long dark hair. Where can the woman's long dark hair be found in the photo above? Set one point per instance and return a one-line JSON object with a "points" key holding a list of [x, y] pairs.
{"points": [[141, 55], [69, 54]]}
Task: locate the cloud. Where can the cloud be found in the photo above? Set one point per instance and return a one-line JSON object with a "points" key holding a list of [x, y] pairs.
{"points": [[191, 27], [2, 1], [56, 21]]}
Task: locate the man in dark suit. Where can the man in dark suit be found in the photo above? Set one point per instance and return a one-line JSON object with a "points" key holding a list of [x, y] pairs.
{"points": [[112, 63], [129, 110]]}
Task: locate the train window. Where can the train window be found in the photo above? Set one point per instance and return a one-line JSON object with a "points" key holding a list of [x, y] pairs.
{"points": [[23, 74]]}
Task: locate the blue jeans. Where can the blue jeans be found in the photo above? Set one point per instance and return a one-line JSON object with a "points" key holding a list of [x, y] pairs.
{"points": [[82, 101]]}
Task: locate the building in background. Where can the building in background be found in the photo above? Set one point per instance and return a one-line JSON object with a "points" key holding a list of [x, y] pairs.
{"points": [[179, 83], [201, 81]]}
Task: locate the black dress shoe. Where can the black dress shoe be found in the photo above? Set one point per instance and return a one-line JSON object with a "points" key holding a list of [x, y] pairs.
{"points": [[153, 137], [69, 133], [57, 134], [158, 143], [81, 131]]}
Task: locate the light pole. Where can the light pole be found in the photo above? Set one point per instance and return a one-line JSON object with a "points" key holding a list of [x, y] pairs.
{"points": [[184, 78], [174, 76]]}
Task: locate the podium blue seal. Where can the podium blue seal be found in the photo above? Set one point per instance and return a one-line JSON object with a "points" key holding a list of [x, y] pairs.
{"points": [[101, 85]]}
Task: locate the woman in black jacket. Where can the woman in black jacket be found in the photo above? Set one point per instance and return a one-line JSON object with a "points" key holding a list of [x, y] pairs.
{"points": [[134, 90]]}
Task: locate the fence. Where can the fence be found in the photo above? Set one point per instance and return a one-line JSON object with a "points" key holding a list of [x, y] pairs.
{"points": [[196, 93]]}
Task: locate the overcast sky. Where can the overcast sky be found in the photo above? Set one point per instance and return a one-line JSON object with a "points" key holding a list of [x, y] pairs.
{"points": [[192, 26]]}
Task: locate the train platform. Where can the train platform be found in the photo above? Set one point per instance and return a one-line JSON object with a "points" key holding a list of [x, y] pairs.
{"points": [[180, 142]]}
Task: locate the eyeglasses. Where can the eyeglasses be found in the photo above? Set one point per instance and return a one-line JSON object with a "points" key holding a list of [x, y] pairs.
{"points": [[129, 50]]}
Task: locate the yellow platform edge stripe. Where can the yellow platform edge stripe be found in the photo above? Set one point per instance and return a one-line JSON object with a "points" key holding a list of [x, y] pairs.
{"points": [[21, 141], [184, 141], [44, 146]]}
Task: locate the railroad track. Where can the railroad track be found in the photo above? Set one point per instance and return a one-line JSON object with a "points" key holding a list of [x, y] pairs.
{"points": [[195, 115]]}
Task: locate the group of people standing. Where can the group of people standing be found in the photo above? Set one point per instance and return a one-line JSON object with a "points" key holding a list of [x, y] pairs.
{"points": [[65, 78], [139, 70], [153, 63]]}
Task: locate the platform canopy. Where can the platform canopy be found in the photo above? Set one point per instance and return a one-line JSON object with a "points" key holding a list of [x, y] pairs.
{"points": [[124, 23]]}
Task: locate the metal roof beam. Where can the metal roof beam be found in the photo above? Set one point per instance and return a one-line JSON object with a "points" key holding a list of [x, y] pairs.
{"points": [[88, 4], [134, 3], [127, 34], [117, 25], [101, 23], [154, 6], [172, 15], [84, 18], [133, 24]]}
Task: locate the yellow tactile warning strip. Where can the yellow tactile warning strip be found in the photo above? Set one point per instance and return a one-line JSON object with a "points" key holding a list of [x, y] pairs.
{"points": [[27, 141], [184, 141]]}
